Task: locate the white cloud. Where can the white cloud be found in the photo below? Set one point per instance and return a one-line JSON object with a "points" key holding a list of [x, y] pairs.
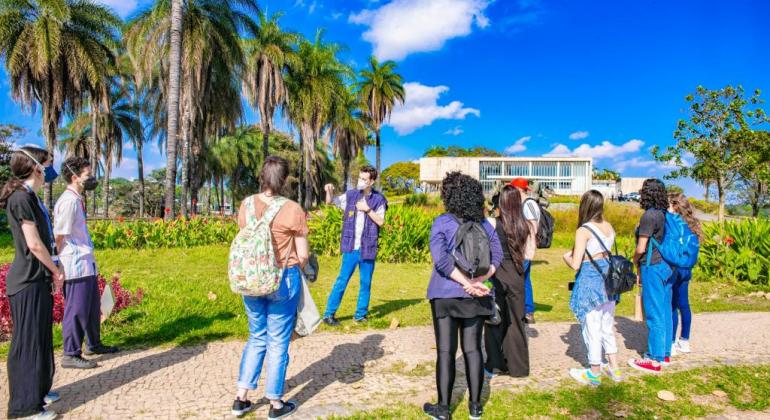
{"points": [[635, 163], [600, 151], [578, 135], [518, 146], [421, 108], [402, 27], [121, 7], [454, 131]]}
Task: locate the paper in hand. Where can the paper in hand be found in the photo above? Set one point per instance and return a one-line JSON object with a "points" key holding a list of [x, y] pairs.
{"points": [[108, 302]]}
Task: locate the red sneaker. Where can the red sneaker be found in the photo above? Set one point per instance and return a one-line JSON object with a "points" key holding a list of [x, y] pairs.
{"points": [[645, 365], [666, 361]]}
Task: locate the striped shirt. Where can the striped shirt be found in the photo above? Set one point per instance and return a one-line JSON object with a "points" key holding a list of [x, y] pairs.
{"points": [[77, 253]]}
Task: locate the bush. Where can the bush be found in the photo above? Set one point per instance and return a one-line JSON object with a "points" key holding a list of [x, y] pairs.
{"points": [[704, 206], [140, 234], [737, 251], [404, 238], [123, 299], [623, 218], [416, 200]]}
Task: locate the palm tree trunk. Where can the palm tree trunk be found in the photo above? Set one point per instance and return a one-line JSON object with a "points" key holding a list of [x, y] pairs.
{"points": [[140, 169], [345, 173], [221, 194], [107, 173], [50, 143], [379, 171], [302, 173], [185, 155], [172, 132], [94, 149]]}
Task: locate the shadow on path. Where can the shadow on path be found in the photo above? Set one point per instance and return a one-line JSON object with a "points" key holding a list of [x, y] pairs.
{"points": [[345, 364]]}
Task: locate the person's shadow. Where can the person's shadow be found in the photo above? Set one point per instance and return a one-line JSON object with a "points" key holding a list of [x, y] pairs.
{"points": [[576, 348], [634, 333], [345, 364]]}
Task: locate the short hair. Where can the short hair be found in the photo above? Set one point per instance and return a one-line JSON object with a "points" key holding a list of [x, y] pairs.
{"points": [[273, 175], [74, 166], [369, 170], [653, 195], [463, 196]]}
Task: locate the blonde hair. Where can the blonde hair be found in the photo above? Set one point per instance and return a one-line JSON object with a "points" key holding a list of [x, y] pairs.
{"points": [[682, 206]]}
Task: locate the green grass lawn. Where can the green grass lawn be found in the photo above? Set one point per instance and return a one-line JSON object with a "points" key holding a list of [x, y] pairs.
{"points": [[177, 308], [744, 387]]}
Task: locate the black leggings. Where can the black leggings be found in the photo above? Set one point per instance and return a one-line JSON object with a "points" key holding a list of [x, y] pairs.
{"points": [[446, 330]]}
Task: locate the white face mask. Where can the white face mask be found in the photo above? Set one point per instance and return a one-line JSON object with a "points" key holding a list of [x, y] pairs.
{"points": [[362, 185]]}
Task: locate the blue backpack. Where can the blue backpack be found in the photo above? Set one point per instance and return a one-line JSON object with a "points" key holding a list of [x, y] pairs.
{"points": [[680, 245]]}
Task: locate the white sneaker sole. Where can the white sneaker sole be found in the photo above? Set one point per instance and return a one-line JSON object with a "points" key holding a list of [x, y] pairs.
{"points": [[241, 413]]}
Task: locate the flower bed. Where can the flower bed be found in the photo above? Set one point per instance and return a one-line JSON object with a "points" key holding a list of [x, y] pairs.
{"points": [[123, 299], [736, 250]]}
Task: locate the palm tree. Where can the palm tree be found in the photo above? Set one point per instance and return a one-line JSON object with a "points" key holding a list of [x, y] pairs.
{"points": [[268, 55], [380, 89], [55, 51], [172, 106], [312, 84], [348, 131]]}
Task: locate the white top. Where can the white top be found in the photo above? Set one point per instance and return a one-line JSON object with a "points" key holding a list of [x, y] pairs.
{"points": [[531, 212], [69, 220], [341, 201], [593, 247]]}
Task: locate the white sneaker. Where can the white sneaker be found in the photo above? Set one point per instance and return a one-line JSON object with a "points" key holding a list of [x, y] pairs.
{"points": [[51, 397], [43, 415], [674, 348], [683, 346], [614, 374]]}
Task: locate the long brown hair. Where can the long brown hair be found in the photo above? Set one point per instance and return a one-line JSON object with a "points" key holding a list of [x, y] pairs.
{"points": [[682, 206], [591, 208], [514, 225], [22, 167]]}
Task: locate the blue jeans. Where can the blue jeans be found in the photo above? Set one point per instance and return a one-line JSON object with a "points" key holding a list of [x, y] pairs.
{"points": [[351, 260], [529, 298], [271, 322], [681, 301], [656, 295]]}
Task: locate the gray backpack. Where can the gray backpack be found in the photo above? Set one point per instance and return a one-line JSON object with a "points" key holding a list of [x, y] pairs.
{"points": [[471, 251]]}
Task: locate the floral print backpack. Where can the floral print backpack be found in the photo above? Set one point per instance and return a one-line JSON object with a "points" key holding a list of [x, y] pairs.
{"points": [[251, 266]]}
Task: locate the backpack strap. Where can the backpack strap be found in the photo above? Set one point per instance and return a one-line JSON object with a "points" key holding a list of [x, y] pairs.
{"points": [[269, 215]]}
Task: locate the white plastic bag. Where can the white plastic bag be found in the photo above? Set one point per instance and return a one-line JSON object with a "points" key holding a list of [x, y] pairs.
{"points": [[308, 317]]}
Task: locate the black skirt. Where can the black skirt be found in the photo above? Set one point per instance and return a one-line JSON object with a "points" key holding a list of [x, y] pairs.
{"points": [[463, 307]]}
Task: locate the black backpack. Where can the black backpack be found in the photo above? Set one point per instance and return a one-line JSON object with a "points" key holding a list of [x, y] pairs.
{"points": [[545, 226], [620, 277], [471, 251]]}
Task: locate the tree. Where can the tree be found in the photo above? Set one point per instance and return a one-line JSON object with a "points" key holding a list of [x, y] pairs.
{"points": [[755, 173], [8, 132], [713, 116], [348, 131], [606, 175], [457, 151], [268, 55], [673, 188], [401, 177], [55, 52], [172, 136], [379, 90]]}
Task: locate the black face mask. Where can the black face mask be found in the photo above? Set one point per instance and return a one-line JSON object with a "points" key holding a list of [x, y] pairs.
{"points": [[90, 183]]}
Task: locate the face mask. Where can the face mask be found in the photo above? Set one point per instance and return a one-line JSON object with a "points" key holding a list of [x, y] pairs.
{"points": [[50, 174], [90, 183], [361, 185]]}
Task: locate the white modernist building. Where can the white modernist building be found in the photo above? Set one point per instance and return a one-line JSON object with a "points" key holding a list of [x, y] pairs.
{"points": [[565, 176]]}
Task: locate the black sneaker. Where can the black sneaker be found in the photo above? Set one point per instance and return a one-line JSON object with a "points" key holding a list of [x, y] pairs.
{"points": [[331, 321], [475, 410], [437, 411], [289, 407], [529, 318], [101, 349], [241, 407], [77, 362], [362, 320]]}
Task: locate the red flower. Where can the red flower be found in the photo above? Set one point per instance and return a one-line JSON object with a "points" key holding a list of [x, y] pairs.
{"points": [[729, 241], [168, 210], [121, 219]]}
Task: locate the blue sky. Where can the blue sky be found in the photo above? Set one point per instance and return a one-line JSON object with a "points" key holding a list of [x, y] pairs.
{"points": [[605, 79]]}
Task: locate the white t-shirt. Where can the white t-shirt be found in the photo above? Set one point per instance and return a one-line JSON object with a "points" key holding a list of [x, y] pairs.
{"points": [[69, 220], [341, 201], [532, 215]]}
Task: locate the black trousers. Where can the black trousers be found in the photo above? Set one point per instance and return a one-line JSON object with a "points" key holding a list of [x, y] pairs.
{"points": [[506, 343], [470, 332], [30, 358]]}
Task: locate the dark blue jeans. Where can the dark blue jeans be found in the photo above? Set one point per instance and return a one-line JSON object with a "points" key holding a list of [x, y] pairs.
{"points": [[529, 298], [680, 301]]}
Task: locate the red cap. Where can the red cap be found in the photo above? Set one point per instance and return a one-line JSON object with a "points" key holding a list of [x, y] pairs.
{"points": [[520, 183]]}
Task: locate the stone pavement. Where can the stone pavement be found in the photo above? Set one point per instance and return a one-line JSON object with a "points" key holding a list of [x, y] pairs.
{"points": [[334, 373]]}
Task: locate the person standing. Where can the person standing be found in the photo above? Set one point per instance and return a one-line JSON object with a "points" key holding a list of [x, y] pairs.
{"points": [[363, 216], [506, 343], [272, 318], [680, 300], [29, 286], [459, 304], [655, 276], [592, 306], [531, 211], [82, 303]]}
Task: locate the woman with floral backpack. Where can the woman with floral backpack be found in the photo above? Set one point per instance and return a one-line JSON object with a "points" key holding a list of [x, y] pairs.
{"points": [[264, 267]]}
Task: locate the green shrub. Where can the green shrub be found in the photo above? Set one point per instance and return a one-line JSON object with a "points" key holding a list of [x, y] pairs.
{"points": [[737, 251], [704, 206], [416, 200], [623, 218], [140, 234]]}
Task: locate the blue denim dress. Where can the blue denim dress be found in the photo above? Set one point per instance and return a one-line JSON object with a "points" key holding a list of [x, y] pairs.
{"points": [[589, 291]]}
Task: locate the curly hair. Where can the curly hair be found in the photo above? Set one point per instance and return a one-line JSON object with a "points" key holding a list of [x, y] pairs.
{"points": [[463, 196], [653, 195]]}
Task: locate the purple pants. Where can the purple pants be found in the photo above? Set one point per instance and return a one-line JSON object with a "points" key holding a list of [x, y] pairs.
{"points": [[82, 314]]}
